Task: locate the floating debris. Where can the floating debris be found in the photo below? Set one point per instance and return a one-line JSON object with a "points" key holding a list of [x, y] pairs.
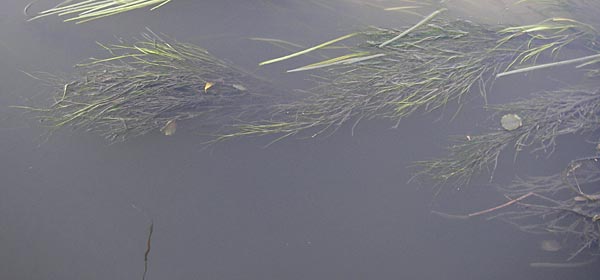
{"points": [[511, 122], [169, 128], [391, 75], [207, 86], [550, 245], [239, 87], [589, 197]]}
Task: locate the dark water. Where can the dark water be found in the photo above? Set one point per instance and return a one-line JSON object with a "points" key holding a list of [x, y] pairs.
{"points": [[332, 208]]}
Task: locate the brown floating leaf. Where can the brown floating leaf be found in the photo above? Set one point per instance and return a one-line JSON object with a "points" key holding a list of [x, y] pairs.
{"points": [[207, 86]]}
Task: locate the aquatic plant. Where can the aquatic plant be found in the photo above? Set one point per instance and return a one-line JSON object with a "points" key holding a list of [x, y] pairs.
{"points": [[87, 10], [567, 204], [546, 116], [390, 74], [147, 86]]}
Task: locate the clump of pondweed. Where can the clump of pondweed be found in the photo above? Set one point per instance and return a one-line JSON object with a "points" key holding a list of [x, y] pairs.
{"points": [[144, 86], [546, 116], [566, 204], [392, 75]]}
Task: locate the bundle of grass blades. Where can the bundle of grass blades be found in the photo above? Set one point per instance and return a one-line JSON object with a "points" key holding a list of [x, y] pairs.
{"points": [[545, 116], [392, 74], [87, 10], [146, 86]]}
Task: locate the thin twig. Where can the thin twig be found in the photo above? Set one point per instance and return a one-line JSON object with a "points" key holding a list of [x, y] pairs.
{"points": [[151, 229], [464, 217], [510, 202]]}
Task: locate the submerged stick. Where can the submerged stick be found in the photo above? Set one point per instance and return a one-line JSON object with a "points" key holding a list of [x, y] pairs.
{"points": [[548, 65], [510, 202], [147, 250], [419, 24], [478, 213]]}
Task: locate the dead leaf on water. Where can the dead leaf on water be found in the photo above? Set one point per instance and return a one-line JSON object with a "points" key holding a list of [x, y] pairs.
{"points": [[169, 128], [207, 86]]}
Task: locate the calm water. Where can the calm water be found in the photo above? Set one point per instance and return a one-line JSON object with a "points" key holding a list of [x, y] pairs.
{"points": [[333, 208]]}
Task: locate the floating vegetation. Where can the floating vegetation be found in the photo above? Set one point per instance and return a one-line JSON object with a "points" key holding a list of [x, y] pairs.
{"points": [[565, 205], [409, 7], [305, 51], [389, 74], [87, 10], [546, 116], [146, 86]]}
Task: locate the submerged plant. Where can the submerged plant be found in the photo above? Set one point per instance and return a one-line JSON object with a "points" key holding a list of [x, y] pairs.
{"points": [[391, 75], [545, 116], [566, 205], [87, 10], [147, 86]]}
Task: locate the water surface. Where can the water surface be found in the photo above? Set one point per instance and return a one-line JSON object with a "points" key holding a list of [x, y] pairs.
{"points": [[331, 208]]}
